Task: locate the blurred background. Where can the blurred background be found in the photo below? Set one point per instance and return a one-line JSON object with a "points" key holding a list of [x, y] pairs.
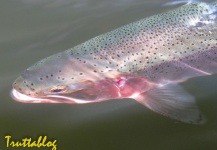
{"points": [[34, 29]]}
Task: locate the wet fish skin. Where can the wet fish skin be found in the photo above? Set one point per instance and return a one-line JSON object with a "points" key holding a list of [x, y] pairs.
{"points": [[144, 60]]}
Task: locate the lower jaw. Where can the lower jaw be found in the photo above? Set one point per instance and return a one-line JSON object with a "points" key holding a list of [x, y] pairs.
{"points": [[46, 99], [24, 98]]}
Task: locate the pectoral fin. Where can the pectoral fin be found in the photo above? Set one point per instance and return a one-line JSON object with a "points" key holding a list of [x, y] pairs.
{"points": [[173, 101]]}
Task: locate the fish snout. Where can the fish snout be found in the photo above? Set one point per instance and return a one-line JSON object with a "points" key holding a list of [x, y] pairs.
{"points": [[23, 86]]}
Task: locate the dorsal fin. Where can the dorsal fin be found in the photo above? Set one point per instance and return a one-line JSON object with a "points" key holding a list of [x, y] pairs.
{"points": [[172, 3]]}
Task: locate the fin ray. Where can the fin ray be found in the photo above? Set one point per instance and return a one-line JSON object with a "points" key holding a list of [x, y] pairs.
{"points": [[173, 101]]}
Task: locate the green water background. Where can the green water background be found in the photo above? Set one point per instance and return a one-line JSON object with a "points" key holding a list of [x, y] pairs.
{"points": [[33, 29]]}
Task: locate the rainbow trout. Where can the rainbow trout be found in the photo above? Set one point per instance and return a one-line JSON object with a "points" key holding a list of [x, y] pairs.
{"points": [[145, 61]]}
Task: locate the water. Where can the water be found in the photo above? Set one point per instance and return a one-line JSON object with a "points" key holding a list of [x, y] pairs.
{"points": [[31, 30]]}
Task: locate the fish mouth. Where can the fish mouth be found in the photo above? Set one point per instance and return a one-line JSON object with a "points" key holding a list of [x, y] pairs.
{"points": [[16, 95], [100, 91]]}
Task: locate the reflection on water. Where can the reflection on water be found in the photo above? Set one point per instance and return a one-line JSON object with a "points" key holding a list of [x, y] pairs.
{"points": [[32, 30]]}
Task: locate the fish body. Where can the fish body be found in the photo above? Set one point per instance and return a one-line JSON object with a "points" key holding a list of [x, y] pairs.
{"points": [[145, 60]]}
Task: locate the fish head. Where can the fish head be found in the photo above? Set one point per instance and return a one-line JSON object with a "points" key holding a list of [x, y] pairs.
{"points": [[64, 79]]}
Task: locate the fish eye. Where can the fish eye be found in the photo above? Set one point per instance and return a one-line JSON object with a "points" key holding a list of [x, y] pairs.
{"points": [[57, 89]]}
